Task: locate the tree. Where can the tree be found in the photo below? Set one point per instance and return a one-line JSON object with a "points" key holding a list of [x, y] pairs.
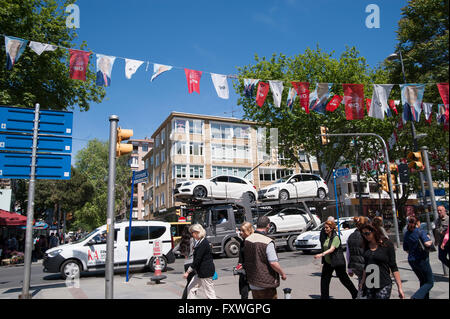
{"points": [[44, 78], [92, 161]]}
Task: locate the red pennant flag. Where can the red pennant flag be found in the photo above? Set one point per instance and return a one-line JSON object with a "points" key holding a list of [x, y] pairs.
{"points": [[261, 94], [79, 63], [193, 80], [443, 91], [334, 103], [368, 103], [354, 101], [392, 106], [302, 89]]}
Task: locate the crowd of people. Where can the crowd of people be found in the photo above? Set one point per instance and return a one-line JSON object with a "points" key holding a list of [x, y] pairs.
{"points": [[370, 256]]}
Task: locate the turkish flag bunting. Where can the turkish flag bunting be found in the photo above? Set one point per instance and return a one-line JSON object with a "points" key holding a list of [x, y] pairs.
{"points": [[261, 94], [79, 63], [354, 101], [443, 91], [334, 103], [302, 89], [392, 106], [193, 80], [368, 103]]}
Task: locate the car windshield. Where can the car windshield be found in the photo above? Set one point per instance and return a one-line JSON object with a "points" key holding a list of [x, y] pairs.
{"points": [[85, 237], [282, 180]]}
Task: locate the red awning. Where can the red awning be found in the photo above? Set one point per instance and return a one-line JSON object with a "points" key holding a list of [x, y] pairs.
{"points": [[12, 219]]}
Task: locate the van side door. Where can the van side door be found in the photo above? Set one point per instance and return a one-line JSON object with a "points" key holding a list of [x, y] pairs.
{"points": [[139, 245]]}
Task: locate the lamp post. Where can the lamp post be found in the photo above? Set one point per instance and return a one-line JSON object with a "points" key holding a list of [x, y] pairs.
{"points": [[392, 57]]}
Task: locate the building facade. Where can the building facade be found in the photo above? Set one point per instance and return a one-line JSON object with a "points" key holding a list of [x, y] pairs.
{"points": [[191, 146]]}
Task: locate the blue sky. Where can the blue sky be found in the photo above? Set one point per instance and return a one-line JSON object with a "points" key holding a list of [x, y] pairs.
{"points": [[210, 36]]}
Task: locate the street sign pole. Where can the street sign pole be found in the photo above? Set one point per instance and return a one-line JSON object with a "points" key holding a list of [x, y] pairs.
{"points": [[109, 262], [337, 202], [30, 212], [129, 227]]}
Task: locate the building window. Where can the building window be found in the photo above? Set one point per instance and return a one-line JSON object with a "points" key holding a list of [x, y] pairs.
{"points": [[196, 171], [163, 137], [229, 152], [196, 148], [163, 177], [163, 199], [157, 180], [157, 160], [180, 126], [179, 171], [180, 148], [163, 155], [302, 157], [195, 126], [272, 174], [233, 171], [157, 141], [145, 148]]}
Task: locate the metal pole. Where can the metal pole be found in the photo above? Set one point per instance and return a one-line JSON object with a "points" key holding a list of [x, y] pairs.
{"points": [[337, 202], [430, 181], [386, 155], [30, 211], [129, 227], [109, 263], [64, 228], [358, 176]]}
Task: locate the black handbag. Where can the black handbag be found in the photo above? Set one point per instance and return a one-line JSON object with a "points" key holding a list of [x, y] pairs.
{"points": [[425, 248], [337, 257]]}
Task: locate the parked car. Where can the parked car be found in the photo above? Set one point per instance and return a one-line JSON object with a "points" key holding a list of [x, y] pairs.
{"points": [[218, 187], [309, 241], [290, 219], [295, 186], [89, 253]]}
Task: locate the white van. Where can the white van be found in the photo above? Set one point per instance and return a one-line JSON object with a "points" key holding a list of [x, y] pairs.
{"points": [[89, 253]]}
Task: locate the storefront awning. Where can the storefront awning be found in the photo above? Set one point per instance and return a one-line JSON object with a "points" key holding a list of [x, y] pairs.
{"points": [[12, 219]]}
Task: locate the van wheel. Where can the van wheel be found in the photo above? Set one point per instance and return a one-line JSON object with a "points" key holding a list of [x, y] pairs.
{"points": [[291, 243], [162, 262], [71, 269], [232, 248]]}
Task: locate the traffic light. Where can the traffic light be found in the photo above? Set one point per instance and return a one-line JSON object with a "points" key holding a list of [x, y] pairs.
{"points": [[384, 183], [415, 161], [394, 181], [123, 149], [324, 130]]}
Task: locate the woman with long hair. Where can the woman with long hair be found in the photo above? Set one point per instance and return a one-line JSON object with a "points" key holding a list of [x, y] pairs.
{"points": [[244, 287], [379, 257], [377, 222], [418, 257], [355, 250], [202, 263], [187, 250], [333, 260]]}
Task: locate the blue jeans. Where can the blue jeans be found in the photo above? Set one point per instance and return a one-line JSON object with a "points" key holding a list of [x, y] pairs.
{"points": [[423, 271]]}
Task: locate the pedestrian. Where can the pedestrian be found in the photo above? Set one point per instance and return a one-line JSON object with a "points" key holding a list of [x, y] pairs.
{"points": [[202, 264], [187, 250], [12, 243], [333, 260], [439, 233], [53, 241], [415, 243], [355, 250], [445, 247], [43, 245], [379, 257], [261, 262], [377, 222], [244, 287], [323, 235]]}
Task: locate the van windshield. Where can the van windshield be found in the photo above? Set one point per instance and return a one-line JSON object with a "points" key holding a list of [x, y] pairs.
{"points": [[85, 237]]}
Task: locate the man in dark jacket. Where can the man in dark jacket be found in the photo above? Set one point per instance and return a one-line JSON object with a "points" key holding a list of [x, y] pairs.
{"points": [[261, 262]]}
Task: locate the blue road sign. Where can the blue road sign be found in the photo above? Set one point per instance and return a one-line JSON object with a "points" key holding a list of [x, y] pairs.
{"points": [[48, 166], [141, 176], [342, 172], [24, 143], [16, 119]]}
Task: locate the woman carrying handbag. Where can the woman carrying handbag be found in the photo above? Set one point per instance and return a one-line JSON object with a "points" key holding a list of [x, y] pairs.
{"points": [[333, 260]]}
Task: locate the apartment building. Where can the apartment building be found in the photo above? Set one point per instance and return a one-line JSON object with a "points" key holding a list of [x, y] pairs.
{"points": [[140, 148], [192, 146]]}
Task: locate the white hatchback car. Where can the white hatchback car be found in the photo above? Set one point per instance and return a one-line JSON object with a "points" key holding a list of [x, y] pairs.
{"points": [[290, 219], [219, 187], [309, 241], [295, 186]]}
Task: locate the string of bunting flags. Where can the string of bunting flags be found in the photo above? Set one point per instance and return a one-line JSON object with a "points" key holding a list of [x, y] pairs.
{"points": [[321, 100]]}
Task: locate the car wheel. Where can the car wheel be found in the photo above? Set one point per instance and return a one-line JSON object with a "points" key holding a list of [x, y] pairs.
{"points": [[162, 262], [291, 243], [321, 193], [232, 248], [200, 192], [284, 195], [251, 197], [71, 269], [272, 229]]}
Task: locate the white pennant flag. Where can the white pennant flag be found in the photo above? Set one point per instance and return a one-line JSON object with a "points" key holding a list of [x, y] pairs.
{"points": [[277, 90], [158, 69], [427, 107], [131, 67], [221, 85], [379, 105], [39, 47]]}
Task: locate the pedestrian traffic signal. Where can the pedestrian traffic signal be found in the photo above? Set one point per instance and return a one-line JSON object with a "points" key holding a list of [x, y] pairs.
{"points": [[324, 130], [394, 181], [384, 183], [123, 149], [415, 161]]}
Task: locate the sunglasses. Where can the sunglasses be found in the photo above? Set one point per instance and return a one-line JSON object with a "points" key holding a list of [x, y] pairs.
{"points": [[367, 233]]}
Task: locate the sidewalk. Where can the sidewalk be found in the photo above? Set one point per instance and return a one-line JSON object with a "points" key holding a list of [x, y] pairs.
{"points": [[303, 280]]}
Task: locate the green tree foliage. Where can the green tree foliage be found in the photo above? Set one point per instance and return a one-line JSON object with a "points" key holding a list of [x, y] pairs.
{"points": [[92, 162], [44, 78]]}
